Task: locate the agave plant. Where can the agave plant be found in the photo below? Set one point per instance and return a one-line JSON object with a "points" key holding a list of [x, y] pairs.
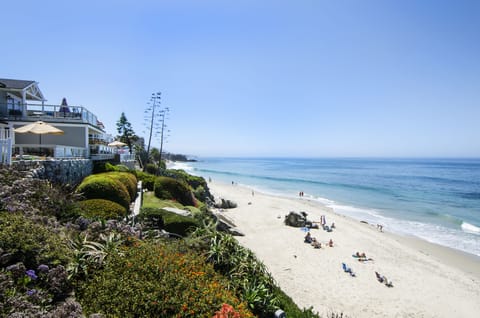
{"points": [[258, 294], [201, 236], [90, 254]]}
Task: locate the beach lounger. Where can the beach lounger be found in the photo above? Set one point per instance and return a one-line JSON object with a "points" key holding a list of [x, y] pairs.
{"points": [[347, 269]]}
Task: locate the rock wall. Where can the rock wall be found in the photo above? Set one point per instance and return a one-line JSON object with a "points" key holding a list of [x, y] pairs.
{"points": [[64, 171]]}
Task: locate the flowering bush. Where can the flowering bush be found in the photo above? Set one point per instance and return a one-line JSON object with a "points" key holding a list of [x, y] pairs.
{"points": [[23, 240], [227, 311], [157, 280], [36, 293], [34, 197]]}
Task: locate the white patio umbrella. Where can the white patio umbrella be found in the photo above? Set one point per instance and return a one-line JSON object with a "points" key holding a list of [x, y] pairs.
{"points": [[117, 143], [39, 128]]}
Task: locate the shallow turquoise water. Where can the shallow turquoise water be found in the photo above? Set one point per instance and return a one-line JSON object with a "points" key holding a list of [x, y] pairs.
{"points": [[434, 199]]}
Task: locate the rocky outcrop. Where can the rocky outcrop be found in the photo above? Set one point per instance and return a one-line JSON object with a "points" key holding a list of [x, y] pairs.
{"points": [[226, 225], [221, 203]]}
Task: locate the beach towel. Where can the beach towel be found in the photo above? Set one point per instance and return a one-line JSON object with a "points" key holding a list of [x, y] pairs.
{"points": [[347, 269]]}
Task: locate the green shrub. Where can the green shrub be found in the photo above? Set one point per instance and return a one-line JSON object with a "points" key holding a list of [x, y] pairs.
{"points": [[101, 208], [148, 180], [200, 193], [151, 168], [157, 280], [31, 242], [193, 181], [99, 166], [171, 189], [121, 168], [171, 222], [103, 187], [129, 181], [109, 167]]}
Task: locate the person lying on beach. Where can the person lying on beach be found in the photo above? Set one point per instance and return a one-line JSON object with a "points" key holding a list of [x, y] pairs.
{"points": [[316, 244], [364, 259], [360, 255], [308, 238], [383, 279], [330, 243]]}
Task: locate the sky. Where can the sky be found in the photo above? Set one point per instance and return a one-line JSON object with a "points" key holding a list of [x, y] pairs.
{"points": [[297, 78]]}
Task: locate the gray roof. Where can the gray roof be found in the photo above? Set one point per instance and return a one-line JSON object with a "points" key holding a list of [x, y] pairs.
{"points": [[14, 84]]}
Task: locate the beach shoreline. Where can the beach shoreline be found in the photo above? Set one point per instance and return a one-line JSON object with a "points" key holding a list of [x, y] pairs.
{"points": [[429, 280]]}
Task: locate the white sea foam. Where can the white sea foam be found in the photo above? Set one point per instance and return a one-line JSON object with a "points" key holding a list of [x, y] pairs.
{"points": [[180, 165], [466, 240], [470, 228]]}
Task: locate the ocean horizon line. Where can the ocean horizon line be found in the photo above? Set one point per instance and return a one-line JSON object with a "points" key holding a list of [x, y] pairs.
{"points": [[437, 200]]}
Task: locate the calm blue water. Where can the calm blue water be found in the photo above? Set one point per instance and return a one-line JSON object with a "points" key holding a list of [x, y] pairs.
{"points": [[434, 199]]}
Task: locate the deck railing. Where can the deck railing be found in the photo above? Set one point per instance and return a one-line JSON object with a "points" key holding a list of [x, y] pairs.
{"points": [[26, 151], [58, 113]]}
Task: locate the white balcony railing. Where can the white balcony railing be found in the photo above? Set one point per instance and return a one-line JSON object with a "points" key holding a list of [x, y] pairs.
{"points": [[48, 113]]}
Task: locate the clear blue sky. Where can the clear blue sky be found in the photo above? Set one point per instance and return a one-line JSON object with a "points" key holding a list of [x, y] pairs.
{"points": [[263, 78]]}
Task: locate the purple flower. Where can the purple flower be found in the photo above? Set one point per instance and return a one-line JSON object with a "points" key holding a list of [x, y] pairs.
{"points": [[31, 273], [43, 268], [31, 292]]}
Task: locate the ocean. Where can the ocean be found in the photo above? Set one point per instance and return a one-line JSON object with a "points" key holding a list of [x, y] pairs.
{"points": [[437, 200]]}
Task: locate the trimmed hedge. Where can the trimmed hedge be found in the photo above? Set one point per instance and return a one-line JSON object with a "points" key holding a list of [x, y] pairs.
{"points": [[148, 180], [100, 186], [171, 222], [170, 189], [128, 179], [151, 168], [193, 181], [101, 208]]}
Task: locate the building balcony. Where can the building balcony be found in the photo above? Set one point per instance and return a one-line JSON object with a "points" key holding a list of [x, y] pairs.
{"points": [[48, 113]]}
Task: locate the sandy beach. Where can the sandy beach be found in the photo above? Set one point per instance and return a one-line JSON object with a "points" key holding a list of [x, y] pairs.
{"points": [[428, 280]]}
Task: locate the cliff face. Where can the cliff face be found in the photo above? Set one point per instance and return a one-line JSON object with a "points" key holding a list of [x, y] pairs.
{"points": [[178, 157]]}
